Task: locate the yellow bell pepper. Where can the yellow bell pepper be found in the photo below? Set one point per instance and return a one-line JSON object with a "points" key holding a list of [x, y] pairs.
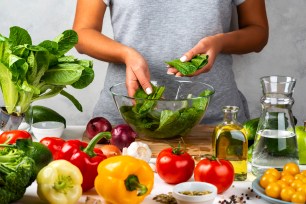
{"points": [[59, 182], [124, 179]]}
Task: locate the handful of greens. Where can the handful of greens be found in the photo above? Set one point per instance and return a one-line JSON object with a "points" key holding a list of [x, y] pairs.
{"points": [[150, 120], [190, 67], [33, 72]]}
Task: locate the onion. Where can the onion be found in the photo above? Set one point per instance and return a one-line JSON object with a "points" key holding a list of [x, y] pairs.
{"points": [[97, 125], [122, 136], [110, 150]]}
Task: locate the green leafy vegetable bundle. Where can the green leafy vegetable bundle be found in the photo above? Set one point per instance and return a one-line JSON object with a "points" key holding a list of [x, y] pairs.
{"points": [[150, 121], [33, 72], [190, 67]]}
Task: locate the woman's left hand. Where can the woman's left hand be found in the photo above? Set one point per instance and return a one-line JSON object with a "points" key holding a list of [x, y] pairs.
{"points": [[209, 45]]}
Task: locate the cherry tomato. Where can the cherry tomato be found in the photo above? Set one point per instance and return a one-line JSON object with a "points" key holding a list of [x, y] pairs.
{"points": [[274, 172], [302, 188], [266, 179], [174, 165], [273, 190], [282, 183], [298, 197], [288, 178], [217, 172], [10, 137], [291, 168], [296, 184], [287, 193]]}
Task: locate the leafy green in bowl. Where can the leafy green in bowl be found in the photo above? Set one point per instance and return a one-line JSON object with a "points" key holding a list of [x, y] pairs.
{"points": [[169, 112]]}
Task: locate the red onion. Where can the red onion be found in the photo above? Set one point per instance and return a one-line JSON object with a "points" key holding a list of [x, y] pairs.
{"points": [[97, 125], [122, 136]]}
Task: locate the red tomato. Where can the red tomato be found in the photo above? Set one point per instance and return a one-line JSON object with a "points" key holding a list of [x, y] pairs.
{"points": [[174, 165], [10, 137], [217, 172]]}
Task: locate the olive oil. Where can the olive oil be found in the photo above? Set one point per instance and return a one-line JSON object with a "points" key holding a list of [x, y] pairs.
{"points": [[230, 142]]}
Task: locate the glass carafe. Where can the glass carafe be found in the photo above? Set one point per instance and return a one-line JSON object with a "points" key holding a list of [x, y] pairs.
{"points": [[275, 142]]}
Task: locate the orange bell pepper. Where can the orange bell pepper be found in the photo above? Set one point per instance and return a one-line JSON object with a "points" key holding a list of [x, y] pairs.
{"points": [[124, 179]]}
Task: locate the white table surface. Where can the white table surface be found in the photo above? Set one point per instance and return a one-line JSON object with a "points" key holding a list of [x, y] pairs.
{"points": [[75, 132]]}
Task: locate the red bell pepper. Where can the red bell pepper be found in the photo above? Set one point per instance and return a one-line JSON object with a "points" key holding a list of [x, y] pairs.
{"points": [[54, 144], [10, 137], [85, 156]]}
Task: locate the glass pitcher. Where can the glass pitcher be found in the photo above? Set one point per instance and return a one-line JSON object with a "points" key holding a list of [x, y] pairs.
{"points": [[275, 142]]}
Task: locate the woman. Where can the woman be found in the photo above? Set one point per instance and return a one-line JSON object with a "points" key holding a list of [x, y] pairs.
{"points": [[148, 33]]}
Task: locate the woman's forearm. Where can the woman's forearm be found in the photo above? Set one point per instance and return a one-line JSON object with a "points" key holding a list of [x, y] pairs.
{"points": [[253, 32], [99, 46], [246, 40]]}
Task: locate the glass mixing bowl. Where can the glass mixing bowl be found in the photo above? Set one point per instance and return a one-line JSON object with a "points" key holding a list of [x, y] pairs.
{"points": [[181, 107]]}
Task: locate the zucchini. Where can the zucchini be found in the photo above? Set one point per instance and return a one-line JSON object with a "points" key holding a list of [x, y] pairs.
{"points": [[250, 128], [42, 113]]}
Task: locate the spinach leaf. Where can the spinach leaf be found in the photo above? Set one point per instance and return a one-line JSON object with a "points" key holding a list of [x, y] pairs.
{"points": [[190, 67], [163, 123]]}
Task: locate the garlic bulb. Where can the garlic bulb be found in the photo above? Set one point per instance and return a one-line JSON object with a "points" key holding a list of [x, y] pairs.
{"points": [[138, 150]]}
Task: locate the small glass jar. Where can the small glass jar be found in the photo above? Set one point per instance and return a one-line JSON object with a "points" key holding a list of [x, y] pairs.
{"points": [[230, 142]]}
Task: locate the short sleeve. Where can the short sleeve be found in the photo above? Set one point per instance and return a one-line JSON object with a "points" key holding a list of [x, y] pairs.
{"points": [[236, 2], [107, 2]]}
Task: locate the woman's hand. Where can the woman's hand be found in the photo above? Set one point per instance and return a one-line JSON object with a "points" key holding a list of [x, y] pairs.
{"points": [[137, 73], [252, 20], [210, 45]]}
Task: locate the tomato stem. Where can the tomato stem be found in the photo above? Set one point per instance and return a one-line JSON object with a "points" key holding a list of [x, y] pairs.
{"points": [[179, 150]]}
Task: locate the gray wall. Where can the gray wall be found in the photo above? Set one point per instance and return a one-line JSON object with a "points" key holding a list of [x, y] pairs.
{"points": [[285, 53]]}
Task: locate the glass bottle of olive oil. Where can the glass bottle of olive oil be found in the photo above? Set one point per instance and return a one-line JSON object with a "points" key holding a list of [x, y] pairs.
{"points": [[230, 142]]}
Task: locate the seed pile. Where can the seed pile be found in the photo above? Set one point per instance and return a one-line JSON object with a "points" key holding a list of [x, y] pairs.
{"points": [[195, 193], [165, 198]]}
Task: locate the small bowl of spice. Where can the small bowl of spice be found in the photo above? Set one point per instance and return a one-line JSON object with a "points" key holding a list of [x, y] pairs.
{"points": [[194, 192]]}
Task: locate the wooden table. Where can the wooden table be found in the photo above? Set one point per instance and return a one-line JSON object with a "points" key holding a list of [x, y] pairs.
{"points": [[198, 142]]}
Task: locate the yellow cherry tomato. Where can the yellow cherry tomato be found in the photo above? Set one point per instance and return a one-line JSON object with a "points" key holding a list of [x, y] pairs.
{"points": [[292, 168], [303, 172], [284, 173], [274, 172], [266, 179], [273, 190], [302, 188], [296, 184], [299, 176], [298, 197], [288, 178], [303, 180], [282, 183], [287, 193]]}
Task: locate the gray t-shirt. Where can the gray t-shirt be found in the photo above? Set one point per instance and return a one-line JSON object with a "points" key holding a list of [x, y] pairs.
{"points": [[165, 30]]}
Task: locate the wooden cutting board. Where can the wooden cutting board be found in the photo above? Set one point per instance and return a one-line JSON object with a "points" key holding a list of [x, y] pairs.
{"points": [[198, 142]]}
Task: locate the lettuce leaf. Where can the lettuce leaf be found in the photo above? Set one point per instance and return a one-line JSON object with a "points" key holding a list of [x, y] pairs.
{"points": [[34, 72]]}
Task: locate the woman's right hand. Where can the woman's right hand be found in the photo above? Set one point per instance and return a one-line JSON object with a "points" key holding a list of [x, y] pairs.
{"points": [[137, 73]]}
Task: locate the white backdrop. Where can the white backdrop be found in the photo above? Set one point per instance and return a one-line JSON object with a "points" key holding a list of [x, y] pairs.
{"points": [[285, 53]]}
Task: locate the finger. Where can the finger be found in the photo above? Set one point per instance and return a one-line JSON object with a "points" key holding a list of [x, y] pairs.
{"points": [[198, 49], [131, 83], [143, 78], [172, 71], [179, 74]]}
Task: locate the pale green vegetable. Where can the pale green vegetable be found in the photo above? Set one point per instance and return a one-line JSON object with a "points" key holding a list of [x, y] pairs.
{"points": [[34, 72]]}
